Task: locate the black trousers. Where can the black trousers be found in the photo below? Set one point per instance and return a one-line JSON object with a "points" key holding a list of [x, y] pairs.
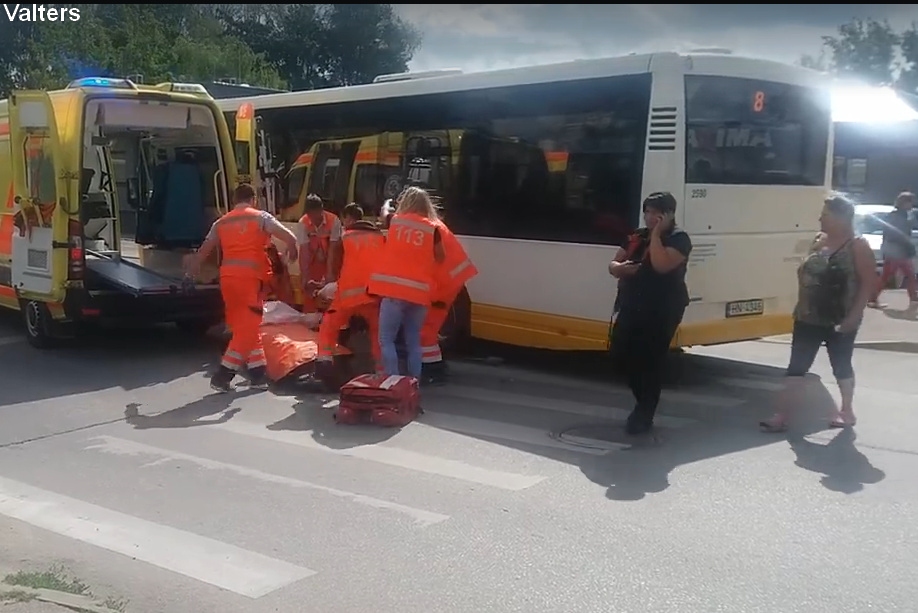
{"points": [[640, 344]]}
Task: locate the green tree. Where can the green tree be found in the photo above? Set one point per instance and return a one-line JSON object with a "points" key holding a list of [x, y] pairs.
{"points": [[159, 41], [324, 45], [865, 49], [908, 48]]}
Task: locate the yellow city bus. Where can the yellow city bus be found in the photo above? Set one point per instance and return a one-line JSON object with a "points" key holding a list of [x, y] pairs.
{"points": [[744, 144]]}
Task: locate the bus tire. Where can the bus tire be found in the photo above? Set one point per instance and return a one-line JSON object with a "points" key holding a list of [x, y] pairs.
{"points": [[40, 327], [456, 332]]}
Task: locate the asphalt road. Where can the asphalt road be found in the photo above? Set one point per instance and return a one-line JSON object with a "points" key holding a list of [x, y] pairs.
{"points": [[515, 492]]}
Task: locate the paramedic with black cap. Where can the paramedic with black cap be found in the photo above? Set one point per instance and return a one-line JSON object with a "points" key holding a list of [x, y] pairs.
{"points": [[652, 300]]}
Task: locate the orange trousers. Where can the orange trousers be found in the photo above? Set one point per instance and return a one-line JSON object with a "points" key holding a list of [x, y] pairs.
{"points": [[336, 318], [243, 301], [430, 332]]}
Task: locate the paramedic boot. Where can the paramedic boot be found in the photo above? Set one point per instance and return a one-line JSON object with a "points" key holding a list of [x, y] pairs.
{"points": [[222, 379], [258, 378]]}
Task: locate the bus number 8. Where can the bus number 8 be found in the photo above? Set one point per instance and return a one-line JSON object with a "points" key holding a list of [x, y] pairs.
{"points": [[758, 102]]}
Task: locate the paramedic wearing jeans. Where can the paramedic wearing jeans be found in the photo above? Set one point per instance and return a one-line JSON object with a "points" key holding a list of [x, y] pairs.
{"points": [[652, 299], [404, 278]]}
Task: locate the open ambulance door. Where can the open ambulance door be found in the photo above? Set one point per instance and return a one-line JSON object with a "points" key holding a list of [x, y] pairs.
{"points": [[254, 157], [40, 187]]}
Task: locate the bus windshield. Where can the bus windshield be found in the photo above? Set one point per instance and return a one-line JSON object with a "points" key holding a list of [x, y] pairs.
{"points": [[753, 132]]}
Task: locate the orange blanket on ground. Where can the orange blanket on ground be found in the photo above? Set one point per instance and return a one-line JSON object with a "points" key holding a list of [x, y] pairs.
{"points": [[287, 347]]}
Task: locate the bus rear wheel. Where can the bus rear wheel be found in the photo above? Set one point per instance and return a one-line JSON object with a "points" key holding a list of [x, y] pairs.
{"points": [[456, 333]]}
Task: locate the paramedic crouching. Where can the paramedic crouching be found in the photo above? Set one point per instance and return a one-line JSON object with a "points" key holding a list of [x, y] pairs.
{"points": [[652, 299]]}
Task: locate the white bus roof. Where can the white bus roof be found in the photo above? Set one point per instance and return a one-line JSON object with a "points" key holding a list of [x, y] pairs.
{"points": [[855, 103], [717, 62]]}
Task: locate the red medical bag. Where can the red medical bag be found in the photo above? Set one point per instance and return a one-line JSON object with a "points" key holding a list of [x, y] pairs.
{"points": [[383, 400]]}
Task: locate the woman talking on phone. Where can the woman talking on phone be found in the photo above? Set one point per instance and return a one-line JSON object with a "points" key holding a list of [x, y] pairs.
{"points": [[651, 300]]}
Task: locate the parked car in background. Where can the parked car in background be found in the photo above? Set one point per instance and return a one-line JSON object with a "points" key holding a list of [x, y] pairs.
{"points": [[869, 222]]}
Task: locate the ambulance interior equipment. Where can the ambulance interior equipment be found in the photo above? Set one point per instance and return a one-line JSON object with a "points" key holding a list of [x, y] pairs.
{"points": [[162, 159]]}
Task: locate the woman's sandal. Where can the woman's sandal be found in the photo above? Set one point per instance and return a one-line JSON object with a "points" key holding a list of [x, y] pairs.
{"points": [[843, 419], [774, 425]]}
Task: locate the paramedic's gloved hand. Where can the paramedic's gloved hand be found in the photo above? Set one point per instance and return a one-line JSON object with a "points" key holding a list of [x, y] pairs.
{"points": [[315, 285], [292, 254]]}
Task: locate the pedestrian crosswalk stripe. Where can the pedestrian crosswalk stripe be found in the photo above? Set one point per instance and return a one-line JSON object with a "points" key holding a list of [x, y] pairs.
{"points": [[486, 428], [562, 405], [120, 446], [391, 456], [11, 340], [226, 566]]}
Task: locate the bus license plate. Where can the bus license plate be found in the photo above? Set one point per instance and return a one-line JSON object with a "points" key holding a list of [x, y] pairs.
{"points": [[742, 308]]}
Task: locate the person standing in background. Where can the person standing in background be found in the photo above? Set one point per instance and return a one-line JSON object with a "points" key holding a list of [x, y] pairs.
{"points": [[318, 231], [898, 249], [652, 297]]}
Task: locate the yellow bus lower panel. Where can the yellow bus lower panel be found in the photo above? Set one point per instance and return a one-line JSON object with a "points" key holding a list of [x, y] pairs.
{"points": [[557, 332]]}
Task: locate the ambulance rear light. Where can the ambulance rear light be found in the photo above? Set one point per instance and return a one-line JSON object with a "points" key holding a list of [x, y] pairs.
{"points": [[101, 82], [76, 256]]}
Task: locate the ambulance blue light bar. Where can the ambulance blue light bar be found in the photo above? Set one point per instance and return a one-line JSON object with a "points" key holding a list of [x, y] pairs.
{"points": [[106, 82]]}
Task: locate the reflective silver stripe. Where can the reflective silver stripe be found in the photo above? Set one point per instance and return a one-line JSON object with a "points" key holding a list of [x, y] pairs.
{"points": [[242, 218], [410, 223], [431, 349], [257, 363], [424, 287], [354, 291], [455, 271], [243, 263], [232, 355], [230, 365]]}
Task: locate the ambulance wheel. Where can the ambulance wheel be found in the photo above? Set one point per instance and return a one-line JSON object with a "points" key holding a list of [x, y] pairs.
{"points": [[457, 330], [194, 327], [39, 325]]}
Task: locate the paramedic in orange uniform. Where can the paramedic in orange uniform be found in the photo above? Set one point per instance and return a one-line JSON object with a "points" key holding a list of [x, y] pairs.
{"points": [[450, 276], [318, 229], [404, 278], [241, 235], [361, 248]]}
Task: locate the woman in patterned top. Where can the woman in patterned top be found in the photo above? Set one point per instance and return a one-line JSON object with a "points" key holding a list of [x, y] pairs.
{"points": [[835, 281]]}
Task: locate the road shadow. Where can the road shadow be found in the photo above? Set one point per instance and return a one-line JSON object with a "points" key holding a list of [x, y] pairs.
{"points": [[314, 413], [632, 474], [843, 467], [122, 358], [909, 313], [188, 415]]}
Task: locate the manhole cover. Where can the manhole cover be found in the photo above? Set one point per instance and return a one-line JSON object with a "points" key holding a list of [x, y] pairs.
{"points": [[603, 436]]}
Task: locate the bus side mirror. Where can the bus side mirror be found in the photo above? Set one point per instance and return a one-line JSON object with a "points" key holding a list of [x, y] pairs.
{"points": [[133, 192]]}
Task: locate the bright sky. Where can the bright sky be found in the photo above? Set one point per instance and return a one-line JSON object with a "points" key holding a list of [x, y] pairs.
{"points": [[487, 36]]}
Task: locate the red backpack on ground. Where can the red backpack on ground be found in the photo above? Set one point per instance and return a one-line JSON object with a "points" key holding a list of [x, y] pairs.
{"points": [[383, 400]]}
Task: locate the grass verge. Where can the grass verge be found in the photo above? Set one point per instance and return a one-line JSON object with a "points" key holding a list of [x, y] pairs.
{"points": [[55, 579]]}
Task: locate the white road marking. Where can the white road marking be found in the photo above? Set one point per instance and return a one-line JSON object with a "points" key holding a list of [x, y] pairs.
{"points": [[483, 395], [11, 340], [207, 560], [119, 446], [391, 456], [486, 428]]}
